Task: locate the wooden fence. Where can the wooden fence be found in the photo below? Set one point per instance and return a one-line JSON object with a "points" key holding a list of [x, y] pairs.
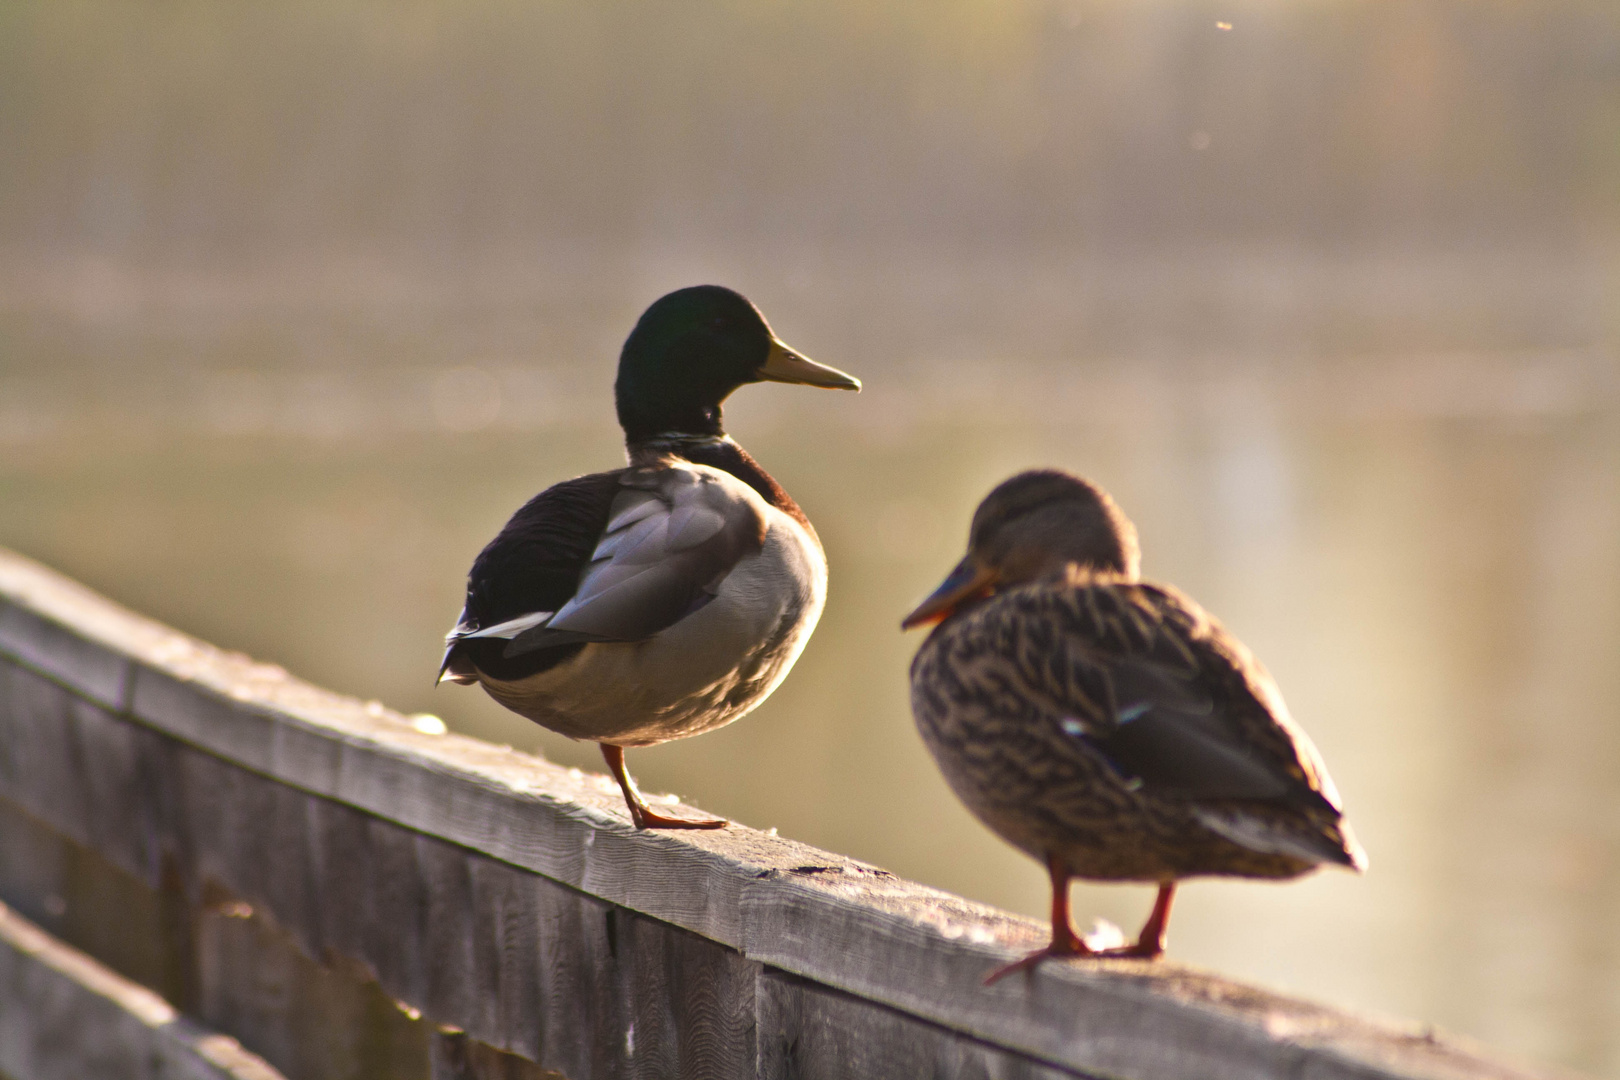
{"points": [[199, 853]]}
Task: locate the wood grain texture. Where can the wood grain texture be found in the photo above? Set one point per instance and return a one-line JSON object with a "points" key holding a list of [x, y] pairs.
{"points": [[60, 651], [807, 1030], [75, 894], [65, 1017], [456, 1057], [310, 1020], [518, 961], [364, 837]]}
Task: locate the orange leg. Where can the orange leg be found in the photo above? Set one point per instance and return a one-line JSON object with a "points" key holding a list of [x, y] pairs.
{"points": [[1151, 941], [640, 813], [1065, 942]]}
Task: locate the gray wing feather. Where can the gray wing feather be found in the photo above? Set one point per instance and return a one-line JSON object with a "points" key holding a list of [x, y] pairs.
{"points": [[630, 507], [690, 526], [667, 547]]}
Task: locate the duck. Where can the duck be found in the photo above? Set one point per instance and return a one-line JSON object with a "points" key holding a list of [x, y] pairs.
{"points": [[671, 596], [1108, 726]]}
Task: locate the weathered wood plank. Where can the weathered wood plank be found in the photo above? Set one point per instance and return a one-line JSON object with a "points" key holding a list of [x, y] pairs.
{"points": [[808, 912], [247, 978], [61, 651], [312, 1020], [456, 1057], [517, 960], [807, 1030], [65, 1017], [75, 894], [83, 782]]}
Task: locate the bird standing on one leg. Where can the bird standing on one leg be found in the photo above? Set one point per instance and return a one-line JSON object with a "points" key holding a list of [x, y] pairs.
{"points": [[1108, 726], [667, 598]]}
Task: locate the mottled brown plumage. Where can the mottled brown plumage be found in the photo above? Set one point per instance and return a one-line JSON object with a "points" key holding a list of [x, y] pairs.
{"points": [[1108, 726]]}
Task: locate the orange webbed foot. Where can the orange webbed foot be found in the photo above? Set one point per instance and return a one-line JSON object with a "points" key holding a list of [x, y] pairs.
{"points": [[1057, 950], [647, 819]]}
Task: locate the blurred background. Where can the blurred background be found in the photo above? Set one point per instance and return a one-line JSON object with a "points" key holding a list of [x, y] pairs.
{"points": [[299, 301]]}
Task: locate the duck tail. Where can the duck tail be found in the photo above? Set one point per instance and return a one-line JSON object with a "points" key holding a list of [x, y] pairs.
{"points": [[1308, 838], [456, 667]]}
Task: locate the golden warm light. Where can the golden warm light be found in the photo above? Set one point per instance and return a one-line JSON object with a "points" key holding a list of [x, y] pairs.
{"points": [[299, 301]]}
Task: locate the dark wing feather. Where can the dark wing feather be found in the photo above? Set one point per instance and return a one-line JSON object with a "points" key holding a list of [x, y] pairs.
{"points": [[675, 534], [534, 564], [1192, 714], [1174, 757]]}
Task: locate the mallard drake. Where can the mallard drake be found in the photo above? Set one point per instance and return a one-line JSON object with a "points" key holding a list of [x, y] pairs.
{"points": [[669, 597], [1105, 725]]}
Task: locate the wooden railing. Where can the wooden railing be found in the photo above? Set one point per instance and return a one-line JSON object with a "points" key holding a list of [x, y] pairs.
{"points": [[248, 859]]}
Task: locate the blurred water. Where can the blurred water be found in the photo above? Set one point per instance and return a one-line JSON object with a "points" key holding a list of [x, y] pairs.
{"points": [[299, 301]]}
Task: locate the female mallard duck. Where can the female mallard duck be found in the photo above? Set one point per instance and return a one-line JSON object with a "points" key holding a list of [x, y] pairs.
{"points": [[667, 598], [1106, 725]]}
